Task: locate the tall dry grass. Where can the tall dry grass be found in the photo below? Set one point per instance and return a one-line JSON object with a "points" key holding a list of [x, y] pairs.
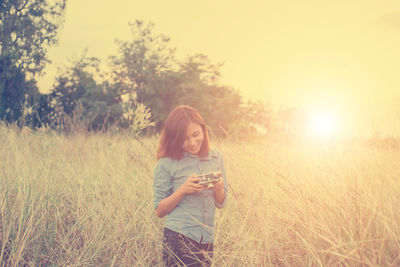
{"points": [[86, 200]]}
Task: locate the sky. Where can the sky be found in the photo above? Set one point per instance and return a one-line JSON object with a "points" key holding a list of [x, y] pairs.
{"points": [[340, 58]]}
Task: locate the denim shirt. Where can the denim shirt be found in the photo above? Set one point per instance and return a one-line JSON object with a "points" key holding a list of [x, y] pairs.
{"points": [[194, 214]]}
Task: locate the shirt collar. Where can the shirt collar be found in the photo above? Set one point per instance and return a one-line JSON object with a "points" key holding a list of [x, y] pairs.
{"points": [[211, 154]]}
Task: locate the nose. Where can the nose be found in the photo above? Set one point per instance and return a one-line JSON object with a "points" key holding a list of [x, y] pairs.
{"points": [[192, 141]]}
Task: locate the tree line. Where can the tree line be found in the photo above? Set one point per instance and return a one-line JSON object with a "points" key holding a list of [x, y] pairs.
{"points": [[144, 83]]}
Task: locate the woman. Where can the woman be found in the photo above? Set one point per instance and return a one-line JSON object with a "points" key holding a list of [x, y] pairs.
{"points": [[183, 154]]}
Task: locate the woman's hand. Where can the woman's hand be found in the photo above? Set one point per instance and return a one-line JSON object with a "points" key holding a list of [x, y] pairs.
{"points": [[220, 184], [219, 190], [191, 185]]}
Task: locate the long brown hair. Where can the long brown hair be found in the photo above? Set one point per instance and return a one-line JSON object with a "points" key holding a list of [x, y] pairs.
{"points": [[173, 133]]}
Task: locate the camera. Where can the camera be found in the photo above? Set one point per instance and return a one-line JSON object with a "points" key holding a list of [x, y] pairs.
{"points": [[209, 178]]}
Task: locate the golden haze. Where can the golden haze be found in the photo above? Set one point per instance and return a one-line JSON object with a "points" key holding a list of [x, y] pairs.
{"points": [[341, 55]]}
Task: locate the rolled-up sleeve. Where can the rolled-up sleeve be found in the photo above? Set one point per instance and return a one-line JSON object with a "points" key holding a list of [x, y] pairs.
{"points": [[162, 186], [222, 168]]}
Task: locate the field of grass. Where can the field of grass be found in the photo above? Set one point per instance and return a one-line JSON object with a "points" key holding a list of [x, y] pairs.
{"points": [[87, 201]]}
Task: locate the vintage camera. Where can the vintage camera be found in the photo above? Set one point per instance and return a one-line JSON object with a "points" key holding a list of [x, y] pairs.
{"points": [[209, 178]]}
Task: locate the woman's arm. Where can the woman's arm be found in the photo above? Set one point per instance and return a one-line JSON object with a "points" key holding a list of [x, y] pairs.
{"points": [[169, 203], [190, 186]]}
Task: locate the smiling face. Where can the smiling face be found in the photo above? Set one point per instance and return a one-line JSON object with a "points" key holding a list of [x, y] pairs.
{"points": [[184, 130], [194, 138]]}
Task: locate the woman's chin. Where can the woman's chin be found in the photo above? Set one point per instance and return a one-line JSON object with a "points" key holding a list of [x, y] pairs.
{"points": [[194, 152]]}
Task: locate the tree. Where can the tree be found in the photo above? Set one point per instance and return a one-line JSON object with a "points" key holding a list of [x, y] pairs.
{"points": [[219, 105], [141, 60], [258, 114], [143, 70], [147, 72], [13, 88], [27, 29], [77, 96]]}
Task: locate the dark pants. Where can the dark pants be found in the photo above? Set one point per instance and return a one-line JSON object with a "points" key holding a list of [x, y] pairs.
{"points": [[180, 250]]}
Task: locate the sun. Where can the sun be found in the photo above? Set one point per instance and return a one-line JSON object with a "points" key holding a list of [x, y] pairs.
{"points": [[322, 124]]}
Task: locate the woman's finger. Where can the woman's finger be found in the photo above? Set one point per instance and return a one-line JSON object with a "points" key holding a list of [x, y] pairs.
{"points": [[218, 173], [195, 180]]}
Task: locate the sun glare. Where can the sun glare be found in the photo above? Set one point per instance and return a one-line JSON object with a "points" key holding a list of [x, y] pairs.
{"points": [[322, 125]]}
